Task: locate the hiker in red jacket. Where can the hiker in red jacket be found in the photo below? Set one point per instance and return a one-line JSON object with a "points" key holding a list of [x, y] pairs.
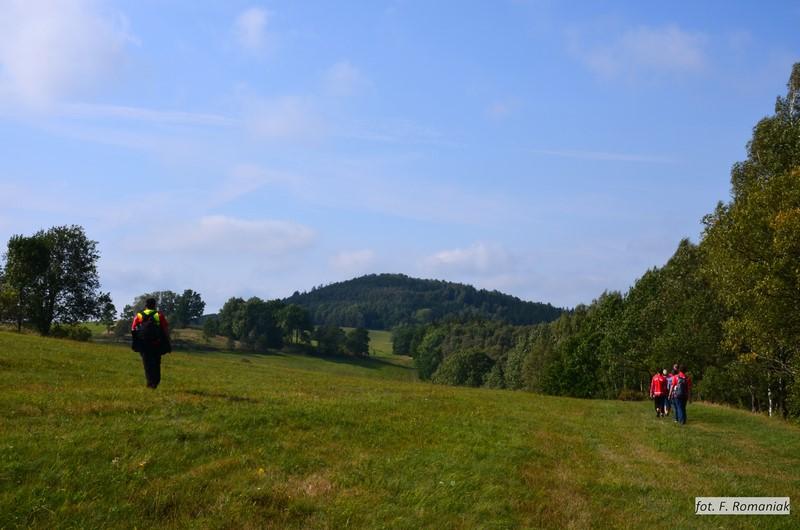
{"points": [[150, 334], [658, 392], [667, 401]]}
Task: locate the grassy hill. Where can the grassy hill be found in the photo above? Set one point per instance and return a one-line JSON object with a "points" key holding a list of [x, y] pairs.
{"points": [[277, 441], [382, 301]]}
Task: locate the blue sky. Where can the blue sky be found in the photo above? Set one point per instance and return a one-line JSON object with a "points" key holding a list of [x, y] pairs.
{"points": [[551, 150]]}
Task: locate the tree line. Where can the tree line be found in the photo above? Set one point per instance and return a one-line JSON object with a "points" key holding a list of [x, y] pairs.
{"points": [[49, 281], [260, 325], [726, 307]]}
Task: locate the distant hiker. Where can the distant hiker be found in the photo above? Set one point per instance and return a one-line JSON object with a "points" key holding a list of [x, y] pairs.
{"points": [[679, 393], [150, 331], [658, 392], [670, 382], [667, 402]]}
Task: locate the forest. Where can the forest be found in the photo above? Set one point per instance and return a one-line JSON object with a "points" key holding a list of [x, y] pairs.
{"points": [[383, 301]]}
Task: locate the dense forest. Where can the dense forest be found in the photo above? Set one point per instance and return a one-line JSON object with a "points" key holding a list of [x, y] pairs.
{"points": [[382, 301], [726, 307]]}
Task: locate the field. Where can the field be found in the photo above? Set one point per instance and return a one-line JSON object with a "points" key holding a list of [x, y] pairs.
{"points": [[280, 441]]}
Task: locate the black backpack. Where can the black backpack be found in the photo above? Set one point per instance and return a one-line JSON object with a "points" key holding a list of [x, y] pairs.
{"points": [[149, 329]]}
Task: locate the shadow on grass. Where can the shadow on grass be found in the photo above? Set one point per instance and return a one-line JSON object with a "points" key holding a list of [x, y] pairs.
{"points": [[227, 397], [373, 363]]}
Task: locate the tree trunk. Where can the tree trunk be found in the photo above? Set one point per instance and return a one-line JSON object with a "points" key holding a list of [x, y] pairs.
{"points": [[782, 398], [769, 394], [19, 311]]}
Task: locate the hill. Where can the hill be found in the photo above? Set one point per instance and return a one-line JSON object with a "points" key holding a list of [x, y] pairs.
{"points": [[277, 441], [382, 301]]}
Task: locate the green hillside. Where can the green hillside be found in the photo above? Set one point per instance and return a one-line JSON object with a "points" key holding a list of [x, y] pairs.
{"points": [[278, 441], [382, 301]]}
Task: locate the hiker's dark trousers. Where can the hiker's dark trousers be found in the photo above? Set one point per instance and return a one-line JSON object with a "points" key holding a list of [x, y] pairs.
{"points": [[152, 367], [680, 410]]}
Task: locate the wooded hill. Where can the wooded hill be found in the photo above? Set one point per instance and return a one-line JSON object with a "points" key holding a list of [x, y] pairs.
{"points": [[382, 301]]}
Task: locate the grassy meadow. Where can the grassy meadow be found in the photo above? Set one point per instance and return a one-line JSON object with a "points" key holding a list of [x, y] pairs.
{"points": [[291, 441]]}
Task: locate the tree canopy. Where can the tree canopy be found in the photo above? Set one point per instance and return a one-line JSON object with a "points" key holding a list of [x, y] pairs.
{"points": [[53, 275]]}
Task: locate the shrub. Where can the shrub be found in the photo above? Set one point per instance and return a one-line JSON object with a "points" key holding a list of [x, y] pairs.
{"points": [[495, 378], [71, 331], [464, 368], [628, 394]]}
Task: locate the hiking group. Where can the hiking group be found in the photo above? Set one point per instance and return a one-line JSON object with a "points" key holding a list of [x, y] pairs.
{"points": [[150, 334], [671, 392]]}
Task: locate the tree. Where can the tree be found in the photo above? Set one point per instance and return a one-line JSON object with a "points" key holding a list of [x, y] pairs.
{"points": [[27, 259], [166, 302], [189, 308], [330, 339], [108, 312], [357, 341], [296, 323], [210, 328], [464, 368], [753, 244], [8, 302], [54, 273], [229, 317]]}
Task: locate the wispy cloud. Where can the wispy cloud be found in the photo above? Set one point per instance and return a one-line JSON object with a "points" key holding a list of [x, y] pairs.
{"points": [[49, 50], [353, 262], [344, 79], [284, 118], [641, 51], [397, 132], [250, 28], [604, 156], [222, 235], [155, 116], [479, 258], [244, 179]]}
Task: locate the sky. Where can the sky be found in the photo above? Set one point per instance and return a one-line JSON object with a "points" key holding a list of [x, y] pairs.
{"points": [[550, 150]]}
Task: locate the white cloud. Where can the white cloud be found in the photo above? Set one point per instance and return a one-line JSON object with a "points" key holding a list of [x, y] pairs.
{"points": [[353, 261], [53, 49], [285, 118], [643, 51], [481, 258], [228, 236], [251, 28], [344, 79]]}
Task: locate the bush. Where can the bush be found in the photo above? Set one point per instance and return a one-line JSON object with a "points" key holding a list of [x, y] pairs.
{"points": [[628, 394], [71, 331], [122, 328], [464, 368], [495, 378]]}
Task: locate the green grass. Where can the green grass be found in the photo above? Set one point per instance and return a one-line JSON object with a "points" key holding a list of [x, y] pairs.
{"points": [[278, 441], [380, 342]]}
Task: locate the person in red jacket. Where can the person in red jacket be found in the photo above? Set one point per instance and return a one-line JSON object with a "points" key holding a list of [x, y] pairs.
{"points": [[667, 401], [150, 334], [658, 392]]}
